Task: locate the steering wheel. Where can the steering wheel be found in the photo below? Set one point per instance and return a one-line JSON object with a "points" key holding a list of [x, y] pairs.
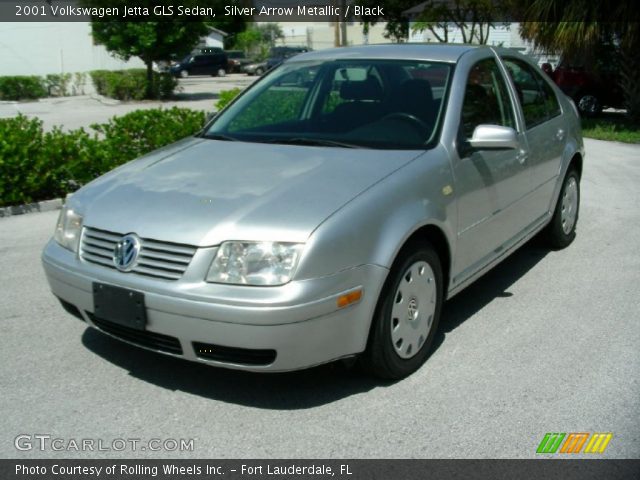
{"points": [[414, 121]]}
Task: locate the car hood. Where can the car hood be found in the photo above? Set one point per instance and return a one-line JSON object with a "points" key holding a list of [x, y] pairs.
{"points": [[202, 192]]}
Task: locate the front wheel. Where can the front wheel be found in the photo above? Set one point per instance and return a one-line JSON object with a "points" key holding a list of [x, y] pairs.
{"points": [[184, 73], [407, 314], [561, 231], [221, 72]]}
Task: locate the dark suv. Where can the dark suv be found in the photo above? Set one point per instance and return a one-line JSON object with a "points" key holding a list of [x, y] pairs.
{"points": [[214, 63]]}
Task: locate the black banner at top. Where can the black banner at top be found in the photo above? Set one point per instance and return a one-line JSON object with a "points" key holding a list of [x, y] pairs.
{"points": [[307, 10]]}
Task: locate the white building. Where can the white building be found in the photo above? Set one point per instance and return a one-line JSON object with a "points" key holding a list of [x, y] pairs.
{"points": [[320, 35], [40, 48], [499, 35]]}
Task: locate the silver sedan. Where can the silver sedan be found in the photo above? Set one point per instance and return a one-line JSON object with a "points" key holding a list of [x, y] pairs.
{"points": [[328, 212]]}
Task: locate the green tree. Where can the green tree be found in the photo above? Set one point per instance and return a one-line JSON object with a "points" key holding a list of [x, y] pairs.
{"points": [[472, 18], [397, 27], [578, 27], [258, 39], [151, 41]]}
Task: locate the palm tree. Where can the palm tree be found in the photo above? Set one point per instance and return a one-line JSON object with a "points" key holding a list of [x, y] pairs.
{"points": [[578, 26]]}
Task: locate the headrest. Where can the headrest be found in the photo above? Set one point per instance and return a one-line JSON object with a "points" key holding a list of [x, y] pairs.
{"points": [[369, 89]]}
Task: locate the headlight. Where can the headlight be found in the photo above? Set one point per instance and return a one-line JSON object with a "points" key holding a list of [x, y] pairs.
{"points": [[68, 229], [252, 263]]}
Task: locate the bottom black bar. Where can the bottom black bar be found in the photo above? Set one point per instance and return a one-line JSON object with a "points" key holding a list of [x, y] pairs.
{"points": [[321, 469]]}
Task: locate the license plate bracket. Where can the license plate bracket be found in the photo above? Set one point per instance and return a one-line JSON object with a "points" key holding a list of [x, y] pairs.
{"points": [[119, 305]]}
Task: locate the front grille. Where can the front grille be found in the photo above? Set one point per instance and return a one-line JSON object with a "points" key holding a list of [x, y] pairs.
{"points": [[241, 356], [156, 259], [144, 338]]}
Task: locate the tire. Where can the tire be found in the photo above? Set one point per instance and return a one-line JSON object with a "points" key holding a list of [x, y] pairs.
{"points": [[561, 231], [407, 314], [221, 72], [259, 71], [184, 73], [589, 105]]}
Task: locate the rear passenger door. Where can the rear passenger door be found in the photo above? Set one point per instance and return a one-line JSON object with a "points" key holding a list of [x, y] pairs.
{"points": [[545, 131]]}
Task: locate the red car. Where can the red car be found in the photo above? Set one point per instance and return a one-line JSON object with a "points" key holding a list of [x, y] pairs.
{"points": [[590, 90]]}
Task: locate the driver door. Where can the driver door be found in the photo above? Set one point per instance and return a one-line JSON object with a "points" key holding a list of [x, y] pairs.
{"points": [[491, 184]]}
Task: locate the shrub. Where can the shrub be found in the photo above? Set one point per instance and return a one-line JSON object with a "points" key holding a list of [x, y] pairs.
{"points": [[57, 85], [132, 84], [22, 87], [142, 131], [35, 165], [226, 96]]}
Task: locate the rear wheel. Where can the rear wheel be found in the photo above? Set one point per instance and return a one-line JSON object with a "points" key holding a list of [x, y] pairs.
{"points": [[221, 72], [407, 314], [561, 231], [259, 71]]}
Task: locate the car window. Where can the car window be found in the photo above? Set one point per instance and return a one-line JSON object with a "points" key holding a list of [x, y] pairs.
{"points": [[380, 103], [281, 103], [486, 99], [538, 100]]}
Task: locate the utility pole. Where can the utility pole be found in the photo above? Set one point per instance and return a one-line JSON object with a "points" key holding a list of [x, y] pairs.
{"points": [[336, 26], [343, 23]]}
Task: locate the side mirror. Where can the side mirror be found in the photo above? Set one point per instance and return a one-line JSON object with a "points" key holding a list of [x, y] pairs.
{"points": [[493, 137]]}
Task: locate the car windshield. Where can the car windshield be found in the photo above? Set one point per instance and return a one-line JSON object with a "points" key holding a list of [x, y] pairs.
{"points": [[389, 104]]}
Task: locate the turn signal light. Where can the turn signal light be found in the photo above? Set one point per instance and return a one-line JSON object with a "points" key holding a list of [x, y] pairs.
{"points": [[349, 298]]}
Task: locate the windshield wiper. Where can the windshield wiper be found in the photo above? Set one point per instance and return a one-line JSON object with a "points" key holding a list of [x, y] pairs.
{"points": [[219, 136], [313, 142]]}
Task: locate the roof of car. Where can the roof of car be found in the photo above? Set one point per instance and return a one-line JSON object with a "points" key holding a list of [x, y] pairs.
{"points": [[415, 51]]}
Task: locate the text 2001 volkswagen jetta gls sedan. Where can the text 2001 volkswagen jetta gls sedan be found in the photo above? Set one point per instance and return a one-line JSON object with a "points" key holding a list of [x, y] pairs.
{"points": [[328, 212]]}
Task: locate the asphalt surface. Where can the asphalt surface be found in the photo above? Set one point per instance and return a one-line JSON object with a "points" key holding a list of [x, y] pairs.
{"points": [[546, 342], [199, 93]]}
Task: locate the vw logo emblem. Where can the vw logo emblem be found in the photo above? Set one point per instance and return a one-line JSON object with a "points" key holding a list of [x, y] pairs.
{"points": [[126, 252], [412, 309]]}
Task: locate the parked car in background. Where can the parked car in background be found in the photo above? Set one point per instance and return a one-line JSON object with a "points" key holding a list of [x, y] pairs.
{"points": [[277, 55], [213, 63], [593, 82], [591, 91], [328, 212], [237, 60], [255, 68]]}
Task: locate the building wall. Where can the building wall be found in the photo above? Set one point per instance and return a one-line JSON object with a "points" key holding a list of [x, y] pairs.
{"points": [[40, 48], [499, 35], [320, 35]]}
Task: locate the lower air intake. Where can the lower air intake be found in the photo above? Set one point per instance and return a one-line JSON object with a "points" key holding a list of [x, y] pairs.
{"points": [[144, 338], [240, 356]]}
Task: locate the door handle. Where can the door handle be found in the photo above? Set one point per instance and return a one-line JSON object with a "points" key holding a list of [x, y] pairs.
{"points": [[522, 157], [560, 135]]}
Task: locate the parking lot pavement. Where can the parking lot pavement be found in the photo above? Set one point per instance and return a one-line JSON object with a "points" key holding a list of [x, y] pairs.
{"points": [[199, 93], [546, 342]]}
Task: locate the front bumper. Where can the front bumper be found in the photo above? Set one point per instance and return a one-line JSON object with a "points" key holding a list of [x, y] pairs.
{"points": [[300, 321]]}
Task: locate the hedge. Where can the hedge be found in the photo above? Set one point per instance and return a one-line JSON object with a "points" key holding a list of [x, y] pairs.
{"points": [[132, 84], [37, 165], [22, 87]]}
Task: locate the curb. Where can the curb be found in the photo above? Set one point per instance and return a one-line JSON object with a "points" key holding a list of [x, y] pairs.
{"points": [[44, 206]]}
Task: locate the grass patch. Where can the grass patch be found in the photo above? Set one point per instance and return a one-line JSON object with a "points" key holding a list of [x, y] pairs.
{"points": [[614, 127]]}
